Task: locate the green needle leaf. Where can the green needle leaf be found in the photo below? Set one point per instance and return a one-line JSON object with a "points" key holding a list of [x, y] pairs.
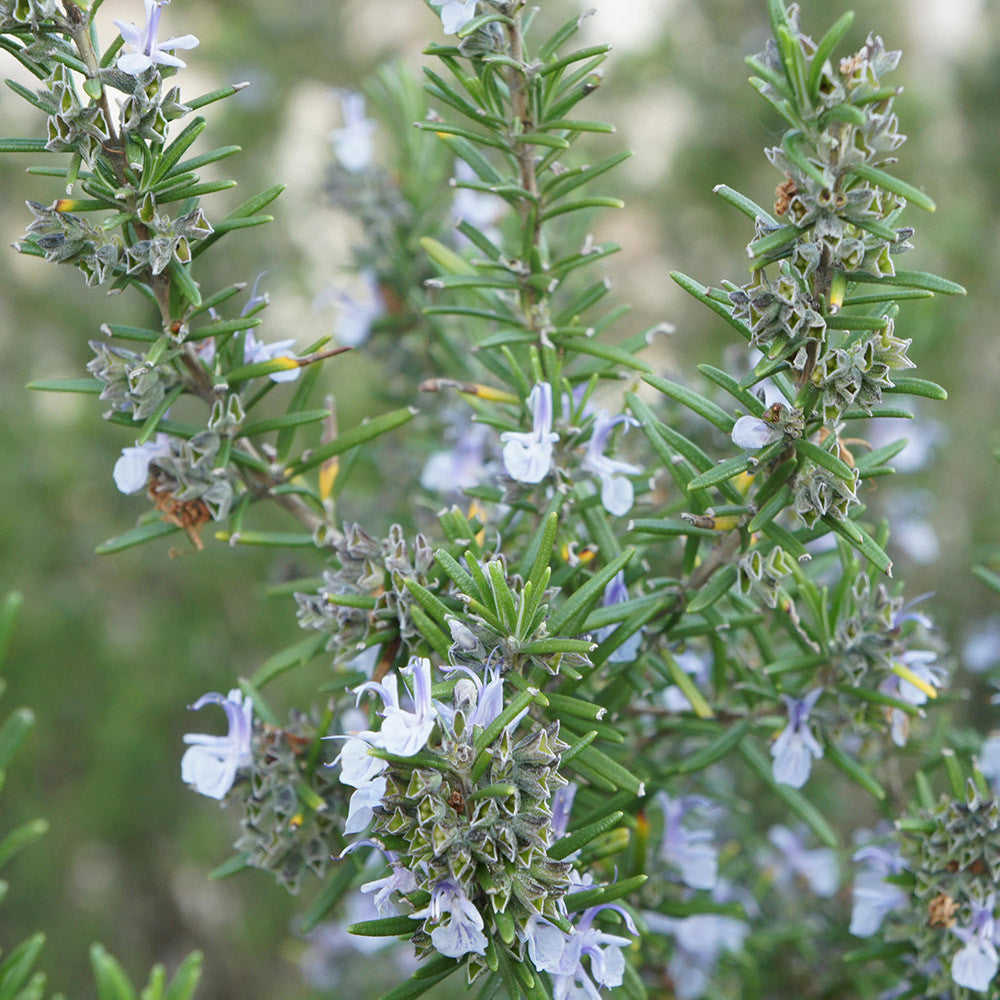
{"points": [[875, 176]]}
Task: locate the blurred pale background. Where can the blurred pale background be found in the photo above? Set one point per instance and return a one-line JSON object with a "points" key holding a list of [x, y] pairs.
{"points": [[110, 650]]}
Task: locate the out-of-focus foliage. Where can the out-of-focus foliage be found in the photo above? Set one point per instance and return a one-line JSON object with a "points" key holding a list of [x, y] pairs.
{"points": [[125, 857], [20, 975]]}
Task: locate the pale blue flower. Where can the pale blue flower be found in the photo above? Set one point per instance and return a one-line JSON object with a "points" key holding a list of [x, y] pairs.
{"points": [[545, 943], [689, 851], [364, 801], [562, 806], [907, 613], [794, 749], [700, 941], [752, 433], [480, 702], [131, 472], [255, 350], [578, 404], [459, 928], [617, 492], [354, 143], [975, 965], [400, 880], [359, 312], [364, 662], [817, 867], [874, 898], [144, 49], [989, 760], [981, 649], [561, 955], [460, 467], [210, 763], [358, 767], [921, 662], [257, 297], [527, 455], [617, 593], [362, 772], [455, 14], [404, 732]]}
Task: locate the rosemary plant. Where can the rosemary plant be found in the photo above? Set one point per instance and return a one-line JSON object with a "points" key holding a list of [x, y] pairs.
{"points": [[560, 726]]}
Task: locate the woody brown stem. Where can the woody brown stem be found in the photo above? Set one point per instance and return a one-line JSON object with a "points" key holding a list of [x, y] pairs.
{"points": [[517, 82]]}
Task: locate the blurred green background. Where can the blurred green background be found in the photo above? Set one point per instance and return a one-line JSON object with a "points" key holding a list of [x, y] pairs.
{"points": [[110, 650]]}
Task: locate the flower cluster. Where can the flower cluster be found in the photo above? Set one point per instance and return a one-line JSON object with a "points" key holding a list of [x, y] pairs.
{"points": [[819, 492], [167, 239], [529, 456], [291, 817], [833, 223], [886, 645], [72, 125], [846, 220], [145, 50], [131, 384], [561, 953], [763, 575], [464, 806], [781, 314], [291, 823], [366, 594], [714, 650], [62, 236], [189, 474], [935, 890], [85, 130], [882, 676]]}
